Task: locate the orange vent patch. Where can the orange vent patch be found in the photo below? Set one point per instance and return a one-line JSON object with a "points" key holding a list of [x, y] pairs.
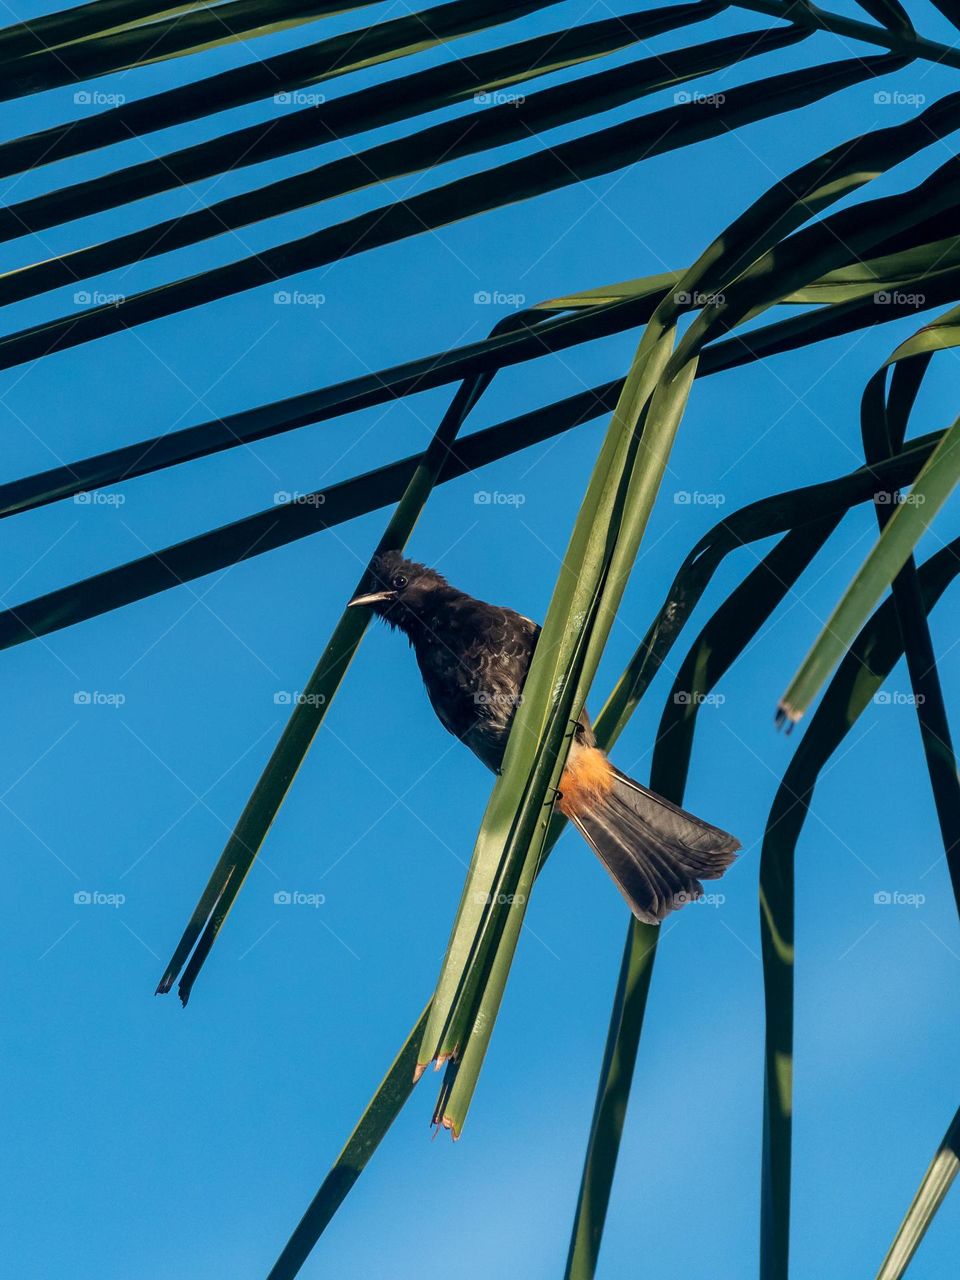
{"points": [[587, 778]]}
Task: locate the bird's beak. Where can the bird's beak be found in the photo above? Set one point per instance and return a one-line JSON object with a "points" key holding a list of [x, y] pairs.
{"points": [[374, 597]]}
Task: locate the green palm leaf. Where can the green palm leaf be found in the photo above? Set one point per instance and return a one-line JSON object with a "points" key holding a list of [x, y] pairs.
{"points": [[894, 547], [897, 37], [480, 950], [247, 837], [642, 431], [277, 526], [883, 426], [869, 661], [425, 90], [837, 270], [497, 126], [549, 169], [533, 335], [142, 44], [850, 292], [950, 10], [890, 13], [86, 22], [717, 647], [380, 1113], [823, 503], [930, 1195], [266, 78]]}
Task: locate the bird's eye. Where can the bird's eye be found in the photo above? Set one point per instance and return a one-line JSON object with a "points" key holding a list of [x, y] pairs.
{"points": [[399, 582]]}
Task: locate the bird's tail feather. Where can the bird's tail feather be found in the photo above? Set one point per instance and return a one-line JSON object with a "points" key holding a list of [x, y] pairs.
{"points": [[656, 853]]}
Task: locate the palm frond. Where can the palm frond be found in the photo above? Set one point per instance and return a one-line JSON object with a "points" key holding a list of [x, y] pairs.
{"points": [[497, 126], [930, 1195], [548, 169], [247, 837], [805, 515], [817, 249], [883, 422], [87, 22], [861, 673], [897, 38], [899, 535], [721, 642], [103, 53], [266, 78]]}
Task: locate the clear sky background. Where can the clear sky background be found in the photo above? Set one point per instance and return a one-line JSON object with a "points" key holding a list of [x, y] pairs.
{"points": [[144, 1140]]}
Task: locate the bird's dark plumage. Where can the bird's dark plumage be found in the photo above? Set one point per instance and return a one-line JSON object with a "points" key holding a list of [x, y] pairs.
{"points": [[474, 659]]}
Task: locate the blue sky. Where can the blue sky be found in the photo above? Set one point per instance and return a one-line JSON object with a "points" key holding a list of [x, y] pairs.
{"points": [[142, 1139]]}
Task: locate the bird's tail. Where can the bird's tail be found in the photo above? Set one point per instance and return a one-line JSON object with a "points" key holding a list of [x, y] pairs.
{"points": [[656, 853]]}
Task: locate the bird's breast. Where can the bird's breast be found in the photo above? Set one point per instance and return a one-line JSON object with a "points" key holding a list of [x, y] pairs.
{"points": [[475, 685]]}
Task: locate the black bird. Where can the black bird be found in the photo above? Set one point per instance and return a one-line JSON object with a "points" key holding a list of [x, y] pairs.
{"points": [[474, 659]]}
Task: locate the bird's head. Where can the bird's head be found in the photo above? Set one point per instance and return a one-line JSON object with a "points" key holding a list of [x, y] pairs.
{"points": [[398, 590]]}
